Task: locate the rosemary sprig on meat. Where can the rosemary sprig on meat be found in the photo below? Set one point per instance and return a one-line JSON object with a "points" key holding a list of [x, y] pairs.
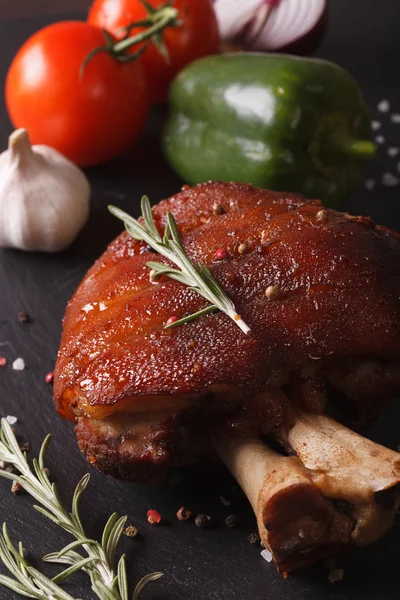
{"points": [[197, 277], [97, 560]]}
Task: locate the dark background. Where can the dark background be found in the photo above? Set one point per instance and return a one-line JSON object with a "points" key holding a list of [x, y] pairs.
{"points": [[219, 564]]}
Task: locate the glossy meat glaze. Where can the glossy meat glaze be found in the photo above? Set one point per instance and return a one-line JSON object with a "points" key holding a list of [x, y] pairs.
{"points": [[145, 398]]}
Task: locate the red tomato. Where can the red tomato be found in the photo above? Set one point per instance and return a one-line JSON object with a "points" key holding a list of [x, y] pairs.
{"points": [[196, 37], [89, 119]]}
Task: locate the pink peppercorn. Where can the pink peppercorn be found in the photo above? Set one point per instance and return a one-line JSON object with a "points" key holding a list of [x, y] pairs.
{"points": [[49, 377], [220, 254], [172, 320], [3, 361], [153, 517]]}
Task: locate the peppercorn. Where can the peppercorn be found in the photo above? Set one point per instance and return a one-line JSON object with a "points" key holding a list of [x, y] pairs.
{"points": [[49, 377], [254, 539], [172, 320], [218, 209], [23, 317], [183, 514], [153, 517], [130, 531], [232, 521], [203, 521], [3, 361], [220, 253]]}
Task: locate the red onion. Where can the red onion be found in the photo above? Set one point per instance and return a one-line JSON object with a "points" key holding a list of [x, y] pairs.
{"points": [[269, 25]]}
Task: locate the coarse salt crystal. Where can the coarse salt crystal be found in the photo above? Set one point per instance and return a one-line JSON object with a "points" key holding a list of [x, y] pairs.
{"points": [[18, 364], [390, 180], [383, 106], [12, 420], [224, 501], [266, 554], [395, 118], [375, 125], [369, 184], [393, 151], [380, 139]]}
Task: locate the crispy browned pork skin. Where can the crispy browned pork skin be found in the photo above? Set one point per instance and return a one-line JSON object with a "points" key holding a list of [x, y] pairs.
{"points": [[320, 291]]}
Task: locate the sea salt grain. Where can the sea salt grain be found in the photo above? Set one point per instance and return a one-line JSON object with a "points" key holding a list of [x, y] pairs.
{"points": [[375, 125], [11, 420], [369, 184], [395, 118], [393, 151], [18, 364], [380, 139], [266, 554], [390, 180], [383, 106]]}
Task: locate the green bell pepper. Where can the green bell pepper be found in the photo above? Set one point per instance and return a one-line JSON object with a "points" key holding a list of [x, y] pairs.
{"points": [[276, 121]]}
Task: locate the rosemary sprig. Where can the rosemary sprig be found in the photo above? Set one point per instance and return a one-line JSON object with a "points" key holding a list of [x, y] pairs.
{"points": [[108, 581], [198, 277]]}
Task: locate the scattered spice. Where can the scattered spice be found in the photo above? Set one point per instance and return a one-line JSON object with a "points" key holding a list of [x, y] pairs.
{"points": [[336, 575], [18, 364], [47, 471], [393, 151], [267, 555], [218, 209], [16, 487], [183, 514], [220, 254], [254, 539], [322, 215], [191, 343], [272, 292], [369, 184], [131, 531], [390, 180], [243, 248], [3, 361], [153, 517], [232, 521], [383, 106], [172, 320], [49, 377], [380, 139], [12, 420], [224, 501], [23, 317], [203, 521], [375, 125]]}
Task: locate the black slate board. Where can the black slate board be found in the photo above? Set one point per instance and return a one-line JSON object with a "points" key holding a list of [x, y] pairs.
{"points": [[219, 564]]}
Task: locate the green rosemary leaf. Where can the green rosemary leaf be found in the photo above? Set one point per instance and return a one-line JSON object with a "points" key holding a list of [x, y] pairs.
{"points": [[114, 537], [209, 309], [43, 451], [46, 513], [79, 566], [80, 488], [16, 587], [74, 545], [143, 582], [148, 218], [122, 578], [47, 585], [107, 530], [198, 277]]}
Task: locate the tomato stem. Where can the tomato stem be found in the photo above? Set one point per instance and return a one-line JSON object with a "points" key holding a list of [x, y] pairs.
{"points": [[166, 16]]}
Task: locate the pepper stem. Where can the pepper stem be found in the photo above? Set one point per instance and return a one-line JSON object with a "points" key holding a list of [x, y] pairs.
{"points": [[351, 146], [166, 16]]}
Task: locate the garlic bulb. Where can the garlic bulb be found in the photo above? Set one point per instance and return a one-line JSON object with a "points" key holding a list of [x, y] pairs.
{"points": [[44, 198]]}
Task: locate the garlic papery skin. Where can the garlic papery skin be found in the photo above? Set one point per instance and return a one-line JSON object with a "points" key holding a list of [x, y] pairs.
{"points": [[44, 198]]}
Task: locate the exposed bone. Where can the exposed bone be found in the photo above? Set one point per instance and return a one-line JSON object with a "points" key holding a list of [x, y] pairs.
{"points": [[296, 523], [346, 466]]}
